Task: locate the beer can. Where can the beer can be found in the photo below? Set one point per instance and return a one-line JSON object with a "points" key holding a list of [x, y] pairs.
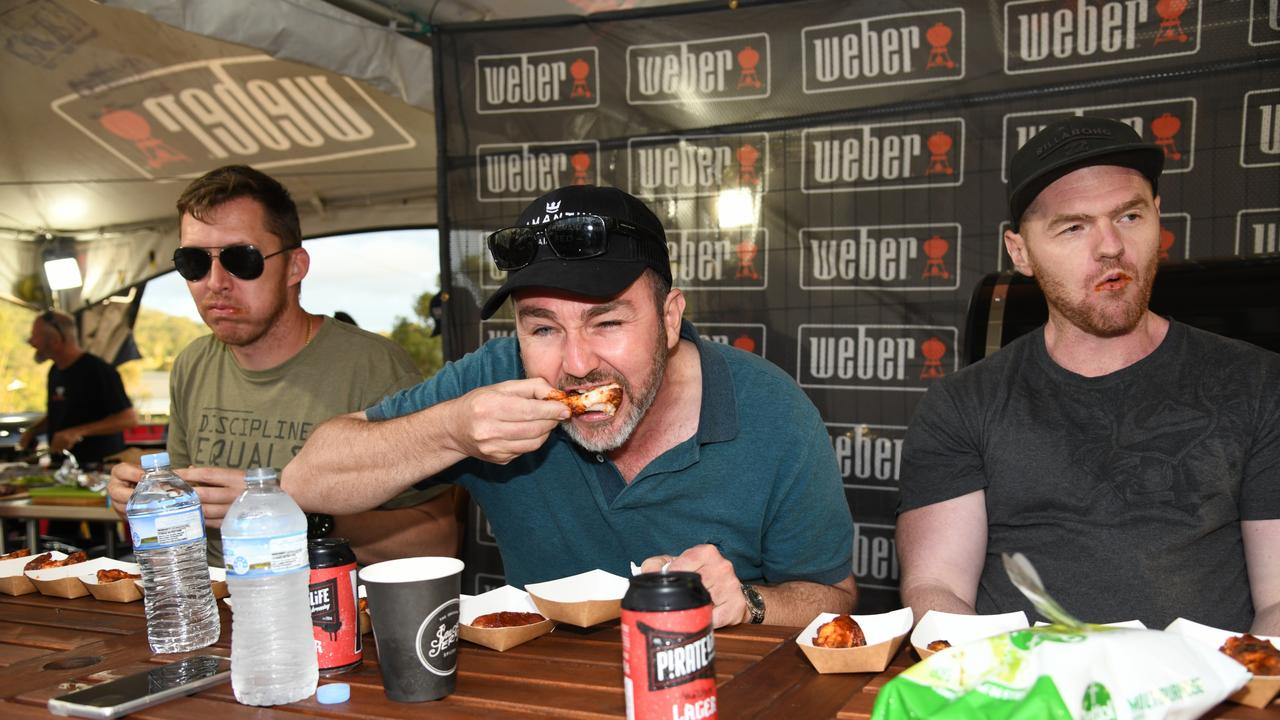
{"points": [[334, 617], [668, 648]]}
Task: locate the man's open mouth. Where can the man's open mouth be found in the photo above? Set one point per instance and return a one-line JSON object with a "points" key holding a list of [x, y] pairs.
{"points": [[1113, 282]]}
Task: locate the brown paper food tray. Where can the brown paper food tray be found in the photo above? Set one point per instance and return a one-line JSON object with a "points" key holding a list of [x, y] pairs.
{"points": [[16, 585], [121, 591], [63, 587], [583, 614], [871, 658], [1259, 692], [504, 638]]}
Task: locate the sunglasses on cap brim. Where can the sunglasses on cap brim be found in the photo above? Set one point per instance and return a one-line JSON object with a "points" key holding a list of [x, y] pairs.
{"points": [[575, 237], [243, 261]]}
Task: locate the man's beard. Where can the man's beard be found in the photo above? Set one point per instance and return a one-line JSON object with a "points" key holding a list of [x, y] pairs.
{"points": [[639, 402], [241, 334], [1110, 317]]}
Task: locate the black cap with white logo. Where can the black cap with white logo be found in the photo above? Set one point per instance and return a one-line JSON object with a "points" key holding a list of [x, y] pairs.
{"points": [[1071, 144], [602, 276]]}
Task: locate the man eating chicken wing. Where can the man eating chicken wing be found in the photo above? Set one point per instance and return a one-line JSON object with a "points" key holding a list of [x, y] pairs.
{"points": [[701, 457]]}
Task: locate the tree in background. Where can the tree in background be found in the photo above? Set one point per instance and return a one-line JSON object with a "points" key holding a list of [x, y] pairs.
{"points": [[415, 337], [22, 379]]}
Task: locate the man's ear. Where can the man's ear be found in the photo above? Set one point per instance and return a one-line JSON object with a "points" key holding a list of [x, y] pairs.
{"points": [[299, 264], [672, 314], [1017, 246]]}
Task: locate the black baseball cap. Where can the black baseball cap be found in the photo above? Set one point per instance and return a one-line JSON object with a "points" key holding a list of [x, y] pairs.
{"points": [[602, 276], [1071, 144]]}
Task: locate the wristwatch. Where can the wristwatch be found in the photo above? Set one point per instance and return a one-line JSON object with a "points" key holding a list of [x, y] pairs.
{"points": [[755, 603]]}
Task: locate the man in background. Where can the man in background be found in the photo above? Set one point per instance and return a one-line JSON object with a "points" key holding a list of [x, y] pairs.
{"points": [[87, 410], [249, 394]]}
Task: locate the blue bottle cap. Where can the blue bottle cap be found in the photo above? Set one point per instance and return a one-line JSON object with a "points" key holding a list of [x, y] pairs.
{"points": [[155, 460], [333, 693]]}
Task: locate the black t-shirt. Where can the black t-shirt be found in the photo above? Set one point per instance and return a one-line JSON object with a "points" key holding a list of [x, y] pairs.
{"points": [[1125, 491], [87, 390]]}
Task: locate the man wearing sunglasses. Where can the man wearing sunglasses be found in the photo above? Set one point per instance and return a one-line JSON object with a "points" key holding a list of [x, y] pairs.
{"points": [[88, 409], [249, 394], [714, 462]]}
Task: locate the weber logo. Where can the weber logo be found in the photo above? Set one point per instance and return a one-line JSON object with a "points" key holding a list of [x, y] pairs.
{"points": [[886, 50], [881, 257], [1047, 35], [537, 82], [1264, 22], [719, 259], [1169, 124], [887, 156], [675, 166], [875, 556], [523, 171], [869, 456], [1260, 129], [251, 110], [1258, 232], [744, 336], [1175, 240], [710, 70], [903, 358], [494, 329]]}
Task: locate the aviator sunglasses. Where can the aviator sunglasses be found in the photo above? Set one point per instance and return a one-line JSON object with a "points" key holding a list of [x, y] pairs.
{"points": [[243, 261], [576, 237]]}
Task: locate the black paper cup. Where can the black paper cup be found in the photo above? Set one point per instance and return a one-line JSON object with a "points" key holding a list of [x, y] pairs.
{"points": [[413, 603]]}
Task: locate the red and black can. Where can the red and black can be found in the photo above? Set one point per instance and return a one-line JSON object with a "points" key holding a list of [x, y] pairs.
{"points": [[335, 621], [668, 648]]}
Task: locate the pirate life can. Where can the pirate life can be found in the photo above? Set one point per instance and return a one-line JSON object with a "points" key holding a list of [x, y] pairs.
{"points": [[668, 648], [334, 618]]}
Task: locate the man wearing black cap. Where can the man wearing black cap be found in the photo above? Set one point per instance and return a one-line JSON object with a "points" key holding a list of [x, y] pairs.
{"points": [[1133, 459], [714, 461]]}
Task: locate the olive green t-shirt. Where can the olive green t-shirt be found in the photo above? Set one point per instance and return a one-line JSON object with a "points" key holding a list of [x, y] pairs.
{"points": [[221, 415]]}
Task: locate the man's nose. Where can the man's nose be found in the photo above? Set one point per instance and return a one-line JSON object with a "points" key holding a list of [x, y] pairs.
{"points": [[218, 277], [579, 356], [1110, 243]]}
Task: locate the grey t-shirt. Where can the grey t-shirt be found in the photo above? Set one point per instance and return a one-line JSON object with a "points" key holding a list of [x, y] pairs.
{"points": [[1126, 491]]}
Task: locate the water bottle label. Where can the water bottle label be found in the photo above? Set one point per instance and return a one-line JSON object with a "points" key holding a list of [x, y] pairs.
{"points": [[261, 556], [167, 529]]}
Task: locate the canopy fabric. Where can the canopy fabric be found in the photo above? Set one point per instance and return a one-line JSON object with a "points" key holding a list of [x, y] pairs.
{"points": [[108, 113]]}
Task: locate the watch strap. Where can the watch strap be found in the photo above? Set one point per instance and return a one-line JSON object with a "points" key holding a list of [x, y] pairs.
{"points": [[755, 603]]}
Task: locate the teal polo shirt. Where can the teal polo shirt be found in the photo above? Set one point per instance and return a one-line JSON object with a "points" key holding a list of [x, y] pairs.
{"points": [[758, 479]]}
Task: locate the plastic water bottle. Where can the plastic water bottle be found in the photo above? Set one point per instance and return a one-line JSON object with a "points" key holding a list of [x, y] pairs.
{"points": [[167, 524], [264, 541]]}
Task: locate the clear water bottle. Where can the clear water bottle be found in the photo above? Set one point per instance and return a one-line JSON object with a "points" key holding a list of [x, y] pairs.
{"points": [[167, 524], [264, 541]]}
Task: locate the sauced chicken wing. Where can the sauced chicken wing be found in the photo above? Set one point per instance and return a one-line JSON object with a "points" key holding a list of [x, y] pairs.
{"points": [[604, 398], [1260, 656], [842, 632]]}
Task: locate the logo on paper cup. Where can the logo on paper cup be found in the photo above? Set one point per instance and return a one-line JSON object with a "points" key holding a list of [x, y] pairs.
{"points": [[438, 639]]}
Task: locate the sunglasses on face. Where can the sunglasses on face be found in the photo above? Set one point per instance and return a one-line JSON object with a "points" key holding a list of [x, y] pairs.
{"points": [[576, 237], [243, 261]]}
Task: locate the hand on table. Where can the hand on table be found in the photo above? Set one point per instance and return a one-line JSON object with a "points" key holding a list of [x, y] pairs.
{"points": [[729, 606], [501, 422]]}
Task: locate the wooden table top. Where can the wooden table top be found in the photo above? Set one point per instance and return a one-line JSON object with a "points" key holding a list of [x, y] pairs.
{"points": [[25, 509], [49, 646]]}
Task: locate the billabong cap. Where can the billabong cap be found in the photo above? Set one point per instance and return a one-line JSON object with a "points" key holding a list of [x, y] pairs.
{"points": [[603, 276], [1071, 144]]}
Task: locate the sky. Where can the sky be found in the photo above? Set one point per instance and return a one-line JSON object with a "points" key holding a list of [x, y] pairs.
{"points": [[374, 277]]}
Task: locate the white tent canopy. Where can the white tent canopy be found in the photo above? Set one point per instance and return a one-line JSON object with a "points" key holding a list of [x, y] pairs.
{"points": [[110, 108]]}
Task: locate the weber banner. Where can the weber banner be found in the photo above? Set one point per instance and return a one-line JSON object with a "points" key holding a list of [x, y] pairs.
{"points": [[831, 174]]}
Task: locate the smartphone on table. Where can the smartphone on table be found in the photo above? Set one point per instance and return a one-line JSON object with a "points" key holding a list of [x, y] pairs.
{"points": [[132, 693]]}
